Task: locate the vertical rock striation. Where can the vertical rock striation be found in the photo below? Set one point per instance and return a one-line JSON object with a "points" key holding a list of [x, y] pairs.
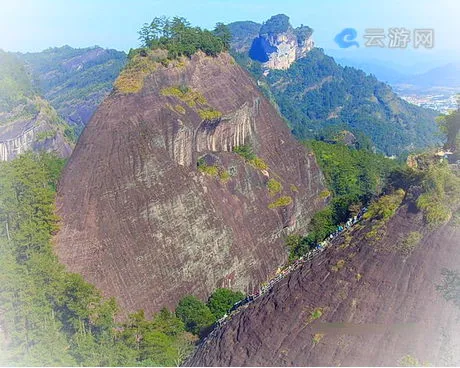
{"points": [[144, 225]]}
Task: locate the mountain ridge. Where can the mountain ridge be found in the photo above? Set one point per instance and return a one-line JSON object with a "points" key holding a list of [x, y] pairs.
{"points": [[27, 121], [74, 80], [349, 100]]}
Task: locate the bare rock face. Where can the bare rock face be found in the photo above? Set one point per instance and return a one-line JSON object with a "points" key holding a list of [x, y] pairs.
{"points": [[362, 302], [279, 45], [40, 131], [288, 50], [147, 226]]}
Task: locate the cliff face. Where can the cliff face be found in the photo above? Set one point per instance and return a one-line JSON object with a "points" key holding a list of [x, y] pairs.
{"points": [[288, 50], [279, 45], [40, 132], [27, 121], [363, 302], [146, 226]]}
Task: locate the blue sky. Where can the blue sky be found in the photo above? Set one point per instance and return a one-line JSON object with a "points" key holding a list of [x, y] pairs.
{"points": [[33, 25]]}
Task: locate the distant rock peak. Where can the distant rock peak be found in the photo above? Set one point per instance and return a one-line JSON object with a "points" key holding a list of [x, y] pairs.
{"points": [[279, 44]]}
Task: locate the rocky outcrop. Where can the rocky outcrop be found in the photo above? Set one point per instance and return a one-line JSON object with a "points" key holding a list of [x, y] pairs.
{"points": [[145, 225], [279, 45], [41, 132], [362, 302], [229, 131], [27, 121]]}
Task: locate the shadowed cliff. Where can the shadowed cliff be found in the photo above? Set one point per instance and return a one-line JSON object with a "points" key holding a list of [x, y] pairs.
{"points": [[148, 226]]}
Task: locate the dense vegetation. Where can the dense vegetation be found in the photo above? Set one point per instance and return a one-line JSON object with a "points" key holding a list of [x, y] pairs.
{"points": [[441, 193], [195, 314], [243, 32], [354, 177], [165, 41], [179, 38], [198, 317], [19, 100], [15, 83], [280, 24], [315, 94], [222, 300], [276, 24], [16, 90], [450, 126], [75, 81]]}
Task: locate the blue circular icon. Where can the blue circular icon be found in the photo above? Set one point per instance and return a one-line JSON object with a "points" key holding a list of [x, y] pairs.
{"points": [[345, 39]]}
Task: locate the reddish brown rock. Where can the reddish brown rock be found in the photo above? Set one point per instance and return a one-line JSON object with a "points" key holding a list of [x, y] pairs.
{"points": [[144, 225], [378, 305]]}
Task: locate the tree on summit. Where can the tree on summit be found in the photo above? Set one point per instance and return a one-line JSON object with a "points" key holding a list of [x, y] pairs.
{"points": [[223, 32], [450, 126], [179, 38]]}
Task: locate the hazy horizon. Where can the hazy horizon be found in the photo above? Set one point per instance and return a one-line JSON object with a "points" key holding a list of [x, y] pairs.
{"points": [[34, 26]]}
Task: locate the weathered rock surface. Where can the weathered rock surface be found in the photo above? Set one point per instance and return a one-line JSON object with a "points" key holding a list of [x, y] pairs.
{"points": [[144, 225], [279, 44], [36, 134], [41, 132], [379, 306]]}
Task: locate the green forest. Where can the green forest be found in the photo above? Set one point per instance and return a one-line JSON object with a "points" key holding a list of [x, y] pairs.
{"points": [[74, 81], [316, 94], [354, 177], [15, 83], [179, 38], [358, 177], [20, 101]]}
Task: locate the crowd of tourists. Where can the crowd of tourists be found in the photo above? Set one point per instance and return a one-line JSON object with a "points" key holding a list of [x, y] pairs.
{"points": [[285, 271]]}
